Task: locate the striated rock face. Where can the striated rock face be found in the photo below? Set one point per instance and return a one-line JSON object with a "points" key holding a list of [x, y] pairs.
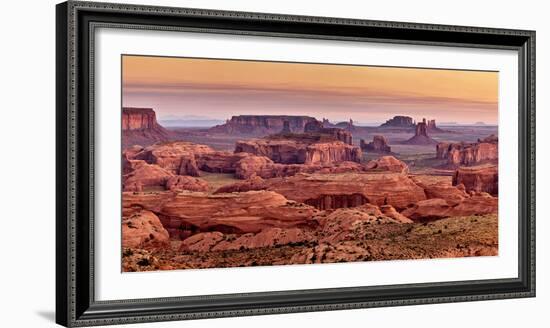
{"points": [[143, 230], [485, 150], [421, 135], [260, 125], [333, 152], [388, 164], [187, 213], [140, 126], [329, 191], [399, 122], [301, 151], [483, 178], [379, 144]]}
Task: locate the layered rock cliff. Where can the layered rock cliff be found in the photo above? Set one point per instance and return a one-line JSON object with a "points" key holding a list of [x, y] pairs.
{"points": [[300, 151], [140, 127], [482, 178], [485, 150]]}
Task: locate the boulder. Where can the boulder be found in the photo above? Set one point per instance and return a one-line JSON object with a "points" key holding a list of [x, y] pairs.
{"points": [[144, 230]]}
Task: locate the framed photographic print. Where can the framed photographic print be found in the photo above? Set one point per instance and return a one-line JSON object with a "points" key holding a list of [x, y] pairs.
{"points": [[233, 163]]}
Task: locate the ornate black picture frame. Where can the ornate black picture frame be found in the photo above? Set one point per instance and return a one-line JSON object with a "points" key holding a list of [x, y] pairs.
{"points": [[75, 301]]}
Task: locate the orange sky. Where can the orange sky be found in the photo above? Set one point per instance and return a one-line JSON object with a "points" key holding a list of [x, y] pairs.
{"points": [[222, 88]]}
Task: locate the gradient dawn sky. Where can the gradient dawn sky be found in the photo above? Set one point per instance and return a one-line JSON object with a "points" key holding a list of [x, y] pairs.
{"points": [[219, 89]]}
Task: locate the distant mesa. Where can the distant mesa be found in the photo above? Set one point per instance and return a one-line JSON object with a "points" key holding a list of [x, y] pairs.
{"points": [[346, 125], [406, 122], [379, 144], [261, 125], [140, 127], [421, 135], [399, 122]]}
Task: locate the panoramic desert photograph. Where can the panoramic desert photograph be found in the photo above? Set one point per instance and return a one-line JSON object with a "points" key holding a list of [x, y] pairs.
{"points": [[239, 163]]}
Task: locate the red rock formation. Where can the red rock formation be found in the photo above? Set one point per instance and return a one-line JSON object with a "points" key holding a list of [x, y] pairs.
{"points": [[399, 122], [379, 144], [263, 167], [202, 242], [143, 230], [317, 128], [219, 161], [483, 178], [278, 150], [453, 195], [329, 202], [437, 208], [300, 151], [420, 136], [379, 189], [253, 183], [485, 150], [333, 152], [145, 175], [185, 158], [187, 213], [261, 125], [184, 182], [270, 237], [387, 164], [140, 126]]}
